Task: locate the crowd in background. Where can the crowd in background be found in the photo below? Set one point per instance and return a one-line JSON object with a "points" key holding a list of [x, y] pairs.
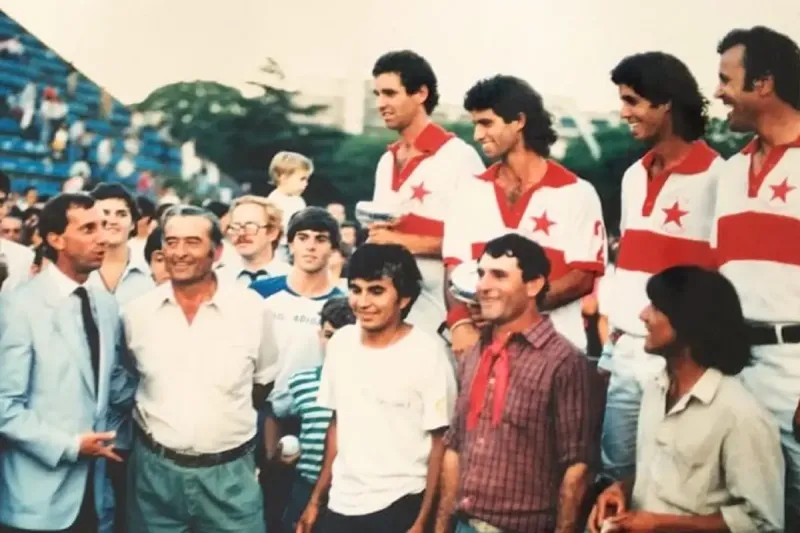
{"points": [[476, 358]]}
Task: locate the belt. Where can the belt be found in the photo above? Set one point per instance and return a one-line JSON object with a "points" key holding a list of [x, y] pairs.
{"points": [[763, 335], [200, 460]]}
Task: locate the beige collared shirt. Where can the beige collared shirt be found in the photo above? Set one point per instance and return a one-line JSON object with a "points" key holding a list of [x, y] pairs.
{"points": [[716, 450], [196, 379]]}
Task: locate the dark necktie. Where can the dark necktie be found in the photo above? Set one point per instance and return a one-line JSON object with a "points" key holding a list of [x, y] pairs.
{"points": [[92, 333], [254, 275]]}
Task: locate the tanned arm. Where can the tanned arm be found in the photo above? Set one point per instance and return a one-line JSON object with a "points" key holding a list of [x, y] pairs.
{"points": [[572, 286], [574, 486], [448, 491], [432, 478], [421, 245]]}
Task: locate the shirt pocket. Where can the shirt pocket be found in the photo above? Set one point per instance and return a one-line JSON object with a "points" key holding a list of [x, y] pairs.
{"points": [[232, 365], [522, 408], [681, 471]]}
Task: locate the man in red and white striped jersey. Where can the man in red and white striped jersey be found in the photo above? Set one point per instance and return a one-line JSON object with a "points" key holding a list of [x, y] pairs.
{"points": [[528, 193], [418, 174], [758, 224], [667, 211]]}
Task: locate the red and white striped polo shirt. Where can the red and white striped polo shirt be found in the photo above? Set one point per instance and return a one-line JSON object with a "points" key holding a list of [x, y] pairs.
{"points": [[562, 213], [423, 190], [665, 221], [758, 232]]}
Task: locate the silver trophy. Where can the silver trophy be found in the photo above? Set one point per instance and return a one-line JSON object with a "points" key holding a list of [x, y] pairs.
{"points": [[368, 213], [464, 282]]}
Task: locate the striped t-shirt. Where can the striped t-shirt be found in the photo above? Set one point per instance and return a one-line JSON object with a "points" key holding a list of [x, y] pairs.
{"points": [[314, 421]]}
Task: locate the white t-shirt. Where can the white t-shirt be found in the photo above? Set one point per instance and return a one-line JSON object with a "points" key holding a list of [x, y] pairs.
{"points": [[387, 401], [289, 205]]}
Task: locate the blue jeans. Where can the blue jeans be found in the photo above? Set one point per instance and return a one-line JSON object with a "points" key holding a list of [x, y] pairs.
{"points": [[298, 499]]}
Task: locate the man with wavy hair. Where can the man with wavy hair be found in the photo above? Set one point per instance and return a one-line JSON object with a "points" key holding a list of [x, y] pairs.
{"points": [[667, 210]]}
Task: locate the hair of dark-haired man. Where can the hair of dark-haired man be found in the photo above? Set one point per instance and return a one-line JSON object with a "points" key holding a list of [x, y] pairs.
{"points": [[662, 78], [373, 262], [530, 256], [53, 217], [337, 313], [768, 53], [314, 219], [15, 212], [160, 210], [153, 244], [511, 98], [146, 207], [706, 314], [414, 72], [115, 191], [220, 209], [360, 237], [5, 183]]}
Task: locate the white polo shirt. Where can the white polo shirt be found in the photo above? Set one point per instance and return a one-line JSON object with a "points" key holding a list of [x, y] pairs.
{"points": [[387, 401], [562, 213], [196, 380], [424, 191], [757, 235], [18, 260], [665, 221]]}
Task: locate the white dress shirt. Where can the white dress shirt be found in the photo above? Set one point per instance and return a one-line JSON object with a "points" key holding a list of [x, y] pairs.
{"points": [[19, 260], [196, 379]]}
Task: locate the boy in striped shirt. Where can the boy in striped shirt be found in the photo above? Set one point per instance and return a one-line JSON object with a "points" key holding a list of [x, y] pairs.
{"points": [[314, 420]]}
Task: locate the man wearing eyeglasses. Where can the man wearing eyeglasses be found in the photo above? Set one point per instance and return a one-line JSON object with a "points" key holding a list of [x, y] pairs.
{"points": [[255, 231], [15, 259]]}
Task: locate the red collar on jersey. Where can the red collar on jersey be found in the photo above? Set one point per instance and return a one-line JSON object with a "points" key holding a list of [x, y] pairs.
{"points": [[428, 142], [751, 147], [696, 161], [556, 175]]}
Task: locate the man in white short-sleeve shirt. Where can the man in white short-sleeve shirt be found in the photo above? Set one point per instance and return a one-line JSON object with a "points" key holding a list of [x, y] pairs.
{"points": [[392, 389], [418, 174], [204, 353]]}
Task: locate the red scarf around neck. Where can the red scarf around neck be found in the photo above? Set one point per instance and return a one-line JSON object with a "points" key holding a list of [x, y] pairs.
{"points": [[494, 356]]}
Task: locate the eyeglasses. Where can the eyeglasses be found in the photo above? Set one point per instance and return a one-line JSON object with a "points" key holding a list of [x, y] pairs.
{"points": [[248, 228]]}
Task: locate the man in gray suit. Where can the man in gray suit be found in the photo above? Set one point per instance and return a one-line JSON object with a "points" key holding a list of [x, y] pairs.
{"points": [[59, 342]]}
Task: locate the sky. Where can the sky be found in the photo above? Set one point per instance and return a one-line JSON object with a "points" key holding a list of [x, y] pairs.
{"points": [[564, 48]]}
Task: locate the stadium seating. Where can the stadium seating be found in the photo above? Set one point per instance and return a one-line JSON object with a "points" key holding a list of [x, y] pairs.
{"points": [[31, 162]]}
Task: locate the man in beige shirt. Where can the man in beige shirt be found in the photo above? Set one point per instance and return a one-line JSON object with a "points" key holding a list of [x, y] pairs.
{"points": [[708, 455]]}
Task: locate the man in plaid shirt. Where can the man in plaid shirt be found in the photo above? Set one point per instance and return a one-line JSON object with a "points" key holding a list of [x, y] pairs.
{"points": [[524, 438]]}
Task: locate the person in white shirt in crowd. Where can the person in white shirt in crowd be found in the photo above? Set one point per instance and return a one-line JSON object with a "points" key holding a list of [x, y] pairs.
{"points": [[229, 260], [205, 355], [11, 224], [145, 225], [30, 198], [314, 420], [289, 172], [667, 212], [154, 256], [337, 211], [295, 300], [418, 175], [708, 455], [350, 234], [255, 230], [124, 274], [392, 389], [757, 224], [15, 258]]}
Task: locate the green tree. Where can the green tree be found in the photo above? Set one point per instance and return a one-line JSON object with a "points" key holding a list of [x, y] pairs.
{"points": [[241, 134]]}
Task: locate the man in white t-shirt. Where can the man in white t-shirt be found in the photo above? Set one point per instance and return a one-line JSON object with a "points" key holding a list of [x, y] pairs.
{"points": [[418, 175], [392, 389]]}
